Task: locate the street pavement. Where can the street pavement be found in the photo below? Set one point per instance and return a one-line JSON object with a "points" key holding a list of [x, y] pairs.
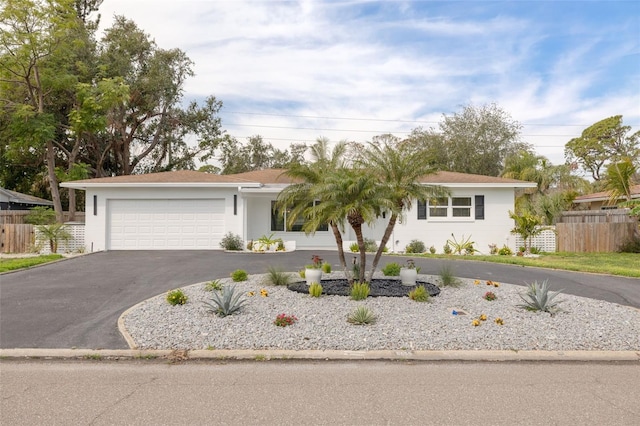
{"points": [[75, 303], [318, 393]]}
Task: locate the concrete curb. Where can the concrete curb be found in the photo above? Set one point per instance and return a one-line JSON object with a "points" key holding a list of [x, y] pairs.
{"points": [[328, 355]]}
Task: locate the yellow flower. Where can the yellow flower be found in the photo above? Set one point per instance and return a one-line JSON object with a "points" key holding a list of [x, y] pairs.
{"points": [[263, 292], [496, 284], [483, 317], [475, 322], [476, 282], [499, 321], [251, 293], [489, 282]]}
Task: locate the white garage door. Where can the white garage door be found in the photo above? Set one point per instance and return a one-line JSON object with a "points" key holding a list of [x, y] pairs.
{"points": [[165, 224]]}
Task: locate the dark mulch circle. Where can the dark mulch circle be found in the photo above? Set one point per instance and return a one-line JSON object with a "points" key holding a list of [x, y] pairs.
{"points": [[378, 287]]}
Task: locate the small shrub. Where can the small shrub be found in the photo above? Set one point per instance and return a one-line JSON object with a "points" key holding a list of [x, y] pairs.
{"points": [[419, 294], [354, 248], [446, 249], [315, 290], [277, 276], [359, 291], [226, 302], [490, 296], [302, 273], [493, 249], [447, 279], [213, 285], [505, 251], [370, 245], [176, 297], [284, 320], [391, 269], [250, 245], [361, 316], [464, 245], [239, 275], [631, 246], [232, 242], [415, 246], [539, 298], [326, 267], [534, 250], [432, 250]]}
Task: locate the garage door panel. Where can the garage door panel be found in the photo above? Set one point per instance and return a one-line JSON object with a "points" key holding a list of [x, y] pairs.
{"points": [[165, 224]]}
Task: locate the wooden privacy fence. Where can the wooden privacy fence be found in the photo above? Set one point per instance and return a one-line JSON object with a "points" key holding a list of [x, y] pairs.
{"points": [[595, 230], [16, 238]]}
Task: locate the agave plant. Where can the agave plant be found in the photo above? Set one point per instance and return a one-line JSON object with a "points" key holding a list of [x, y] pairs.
{"points": [[539, 298], [361, 315], [226, 302]]}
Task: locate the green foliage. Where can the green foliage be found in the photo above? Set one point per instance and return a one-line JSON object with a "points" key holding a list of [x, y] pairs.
{"points": [[539, 298], [277, 276], [176, 297], [213, 285], [41, 216], [464, 245], [226, 302], [302, 273], [432, 250], [505, 251], [527, 226], [446, 249], [361, 316], [55, 234], [490, 296], [326, 267], [315, 289], [419, 294], [415, 246], [370, 245], [26, 262], [232, 242], [239, 275], [359, 291], [447, 278], [353, 247], [631, 246], [391, 269]]}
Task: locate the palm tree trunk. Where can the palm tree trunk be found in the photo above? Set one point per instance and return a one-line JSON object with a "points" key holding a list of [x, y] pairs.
{"points": [[363, 254], [338, 237], [385, 238]]}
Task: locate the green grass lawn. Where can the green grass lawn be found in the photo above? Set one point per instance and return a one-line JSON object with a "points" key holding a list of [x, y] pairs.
{"points": [[625, 264], [26, 262]]}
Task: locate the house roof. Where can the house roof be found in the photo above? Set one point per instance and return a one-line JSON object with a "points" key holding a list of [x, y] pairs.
{"points": [[18, 197], [270, 177], [604, 195]]}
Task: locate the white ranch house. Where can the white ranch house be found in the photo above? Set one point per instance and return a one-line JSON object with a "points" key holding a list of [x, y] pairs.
{"points": [[189, 210]]}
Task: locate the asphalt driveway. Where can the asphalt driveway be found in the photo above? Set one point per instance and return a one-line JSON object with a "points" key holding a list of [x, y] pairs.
{"points": [[75, 303]]}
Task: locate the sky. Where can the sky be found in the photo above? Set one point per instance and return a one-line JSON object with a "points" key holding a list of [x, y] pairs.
{"points": [[293, 71]]}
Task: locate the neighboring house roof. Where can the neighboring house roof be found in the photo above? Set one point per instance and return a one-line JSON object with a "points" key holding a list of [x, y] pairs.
{"points": [[604, 196], [272, 178], [6, 195]]}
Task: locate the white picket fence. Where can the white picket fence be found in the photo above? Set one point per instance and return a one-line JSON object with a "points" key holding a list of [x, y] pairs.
{"points": [[544, 241], [74, 245]]}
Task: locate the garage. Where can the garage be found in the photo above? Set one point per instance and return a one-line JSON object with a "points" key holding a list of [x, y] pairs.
{"points": [[165, 224]]}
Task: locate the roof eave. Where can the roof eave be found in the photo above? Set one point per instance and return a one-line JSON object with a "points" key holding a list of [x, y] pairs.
{"points": [[160, 185]]}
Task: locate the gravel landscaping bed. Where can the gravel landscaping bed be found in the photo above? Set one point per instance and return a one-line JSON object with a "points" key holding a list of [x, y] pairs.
{"points": [[402, 324]]}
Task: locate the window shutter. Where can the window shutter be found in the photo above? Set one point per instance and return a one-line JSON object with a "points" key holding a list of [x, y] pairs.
{"points": [[479, 207], [422, 210]]}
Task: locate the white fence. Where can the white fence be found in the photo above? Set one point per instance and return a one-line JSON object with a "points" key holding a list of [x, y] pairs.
{"points": [[75, 243], [544, 241]]}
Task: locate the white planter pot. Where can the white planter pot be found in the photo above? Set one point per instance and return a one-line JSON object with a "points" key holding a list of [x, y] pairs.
{"points": [[313, 275], [408, 276]]}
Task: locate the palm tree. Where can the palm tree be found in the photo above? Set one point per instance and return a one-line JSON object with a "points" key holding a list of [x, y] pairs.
{"points": [[619, 179], [398, 168], [300, 198]]}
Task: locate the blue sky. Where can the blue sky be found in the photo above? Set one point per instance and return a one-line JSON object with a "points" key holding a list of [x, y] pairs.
{"points": [[296, 70]]}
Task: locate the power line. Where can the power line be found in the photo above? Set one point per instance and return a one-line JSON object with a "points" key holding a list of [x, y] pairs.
{"points": [[388, 120]]}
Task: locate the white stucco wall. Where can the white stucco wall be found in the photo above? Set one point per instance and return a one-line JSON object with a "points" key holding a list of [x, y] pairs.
{"points": [[493, 229], [96, 222]]}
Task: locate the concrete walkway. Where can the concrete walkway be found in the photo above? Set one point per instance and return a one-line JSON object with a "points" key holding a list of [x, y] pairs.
{"points": [[75, 303]]}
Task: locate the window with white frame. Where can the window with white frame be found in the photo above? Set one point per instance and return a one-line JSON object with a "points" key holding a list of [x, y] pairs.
{"points": [[452, 208], [279, 221]]}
